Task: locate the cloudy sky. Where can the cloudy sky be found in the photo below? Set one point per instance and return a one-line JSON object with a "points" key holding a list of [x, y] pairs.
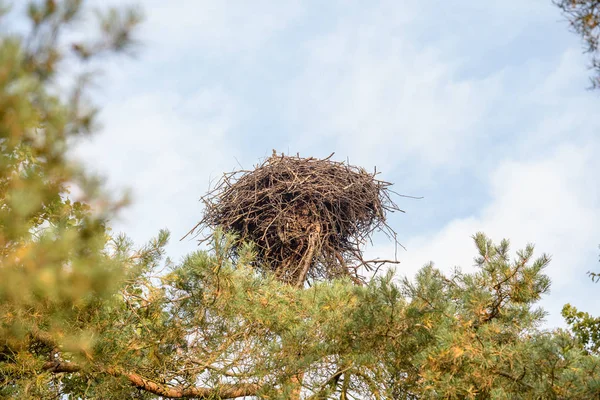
{"points": [[479, 107]]}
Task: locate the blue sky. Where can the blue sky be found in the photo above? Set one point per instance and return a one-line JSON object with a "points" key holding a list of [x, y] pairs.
{"points": [[479, 107]]}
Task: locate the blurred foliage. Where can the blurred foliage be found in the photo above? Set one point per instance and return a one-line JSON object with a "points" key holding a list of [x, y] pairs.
{"points": [[584, 18], [55, 263], [86, 314], [585, 327]]}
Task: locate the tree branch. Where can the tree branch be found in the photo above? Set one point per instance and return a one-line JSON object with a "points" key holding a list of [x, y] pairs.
{"points": [[223, 392]]}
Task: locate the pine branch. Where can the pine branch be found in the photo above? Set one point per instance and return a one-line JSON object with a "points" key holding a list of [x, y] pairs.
{"points": [[223, 392]]}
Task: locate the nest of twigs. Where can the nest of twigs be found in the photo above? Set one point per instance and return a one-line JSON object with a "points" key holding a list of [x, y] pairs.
{"points": [[307, 217]]}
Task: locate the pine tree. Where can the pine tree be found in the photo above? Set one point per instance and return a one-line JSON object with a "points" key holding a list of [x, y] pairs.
{"points": [[86, 314]]}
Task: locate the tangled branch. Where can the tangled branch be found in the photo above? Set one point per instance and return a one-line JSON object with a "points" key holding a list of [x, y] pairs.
{"points": [[307, 217]]}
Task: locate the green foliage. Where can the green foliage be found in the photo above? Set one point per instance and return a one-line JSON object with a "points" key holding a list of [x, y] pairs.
{"points": [[55, 267], [585, 327], [208, 322]]}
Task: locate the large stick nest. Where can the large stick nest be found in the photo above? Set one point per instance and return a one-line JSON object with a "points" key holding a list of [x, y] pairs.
{"points": [[307, 217]]}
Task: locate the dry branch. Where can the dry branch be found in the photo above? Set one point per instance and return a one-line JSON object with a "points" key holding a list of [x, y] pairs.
{"points": [[223, 392]]}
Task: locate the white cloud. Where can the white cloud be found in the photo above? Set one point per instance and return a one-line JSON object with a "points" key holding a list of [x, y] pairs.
{"points": [[379, 96], [217, 29]]}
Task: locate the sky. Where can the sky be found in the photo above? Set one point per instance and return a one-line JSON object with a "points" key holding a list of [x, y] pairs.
{"points": [[479, 107]]}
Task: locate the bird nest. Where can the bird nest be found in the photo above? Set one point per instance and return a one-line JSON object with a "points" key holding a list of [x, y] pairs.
{"points": [[307, 217]]}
